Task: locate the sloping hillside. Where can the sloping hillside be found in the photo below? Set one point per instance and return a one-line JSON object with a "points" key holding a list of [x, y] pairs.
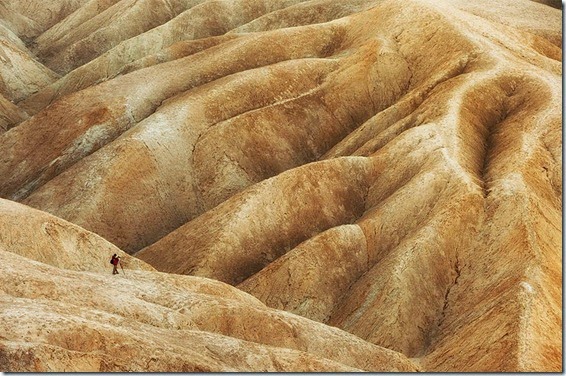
{"points": [[61, 310], [380, 182]]}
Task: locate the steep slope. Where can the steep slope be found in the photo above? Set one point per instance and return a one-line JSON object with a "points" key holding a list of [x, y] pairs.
{"points": [[76, 317], [391, 170], [193, 24], [10, 114], [20, 75], [29, 18], [102, 29], [42, 237]]}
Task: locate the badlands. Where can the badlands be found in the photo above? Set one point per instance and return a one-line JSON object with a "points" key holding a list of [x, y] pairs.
{"points": [[293, 185]]}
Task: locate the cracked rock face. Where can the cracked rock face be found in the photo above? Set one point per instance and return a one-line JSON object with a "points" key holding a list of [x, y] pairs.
{"points": [[293, 185]]}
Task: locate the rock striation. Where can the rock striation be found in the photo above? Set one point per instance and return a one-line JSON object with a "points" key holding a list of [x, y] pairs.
{"points": [[294, 185]]}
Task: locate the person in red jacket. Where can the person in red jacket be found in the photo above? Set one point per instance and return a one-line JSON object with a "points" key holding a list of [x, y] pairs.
{"points": [[115, 261]]}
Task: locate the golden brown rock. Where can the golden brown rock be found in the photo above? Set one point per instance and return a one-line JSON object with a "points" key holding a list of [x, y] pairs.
{"points": [[10, 115], [45, 238], [389, 174], [21, 76], [60, 320], [29, 18]]}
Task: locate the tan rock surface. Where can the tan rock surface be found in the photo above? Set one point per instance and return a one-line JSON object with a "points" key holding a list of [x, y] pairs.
{"points": [[389, 174], [48, 239], [138, 28], [34, 17], [20, 76], [10, 115], [60, 320]]}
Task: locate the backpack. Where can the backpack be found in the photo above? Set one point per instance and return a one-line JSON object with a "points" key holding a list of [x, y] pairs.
{"points": [[112, 260]]}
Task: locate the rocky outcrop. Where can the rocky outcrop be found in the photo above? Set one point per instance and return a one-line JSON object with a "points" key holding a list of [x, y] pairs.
{"points": [[386, 179]]}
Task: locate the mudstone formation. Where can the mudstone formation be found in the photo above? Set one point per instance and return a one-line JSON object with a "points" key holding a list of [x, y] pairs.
{"points": [[293, 185]]}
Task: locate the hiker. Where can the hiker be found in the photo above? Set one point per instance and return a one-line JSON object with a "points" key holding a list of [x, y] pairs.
{"points": [[115, 261]]}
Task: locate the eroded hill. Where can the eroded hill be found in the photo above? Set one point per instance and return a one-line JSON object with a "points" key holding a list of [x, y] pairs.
{"points": [[385, 173]]}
